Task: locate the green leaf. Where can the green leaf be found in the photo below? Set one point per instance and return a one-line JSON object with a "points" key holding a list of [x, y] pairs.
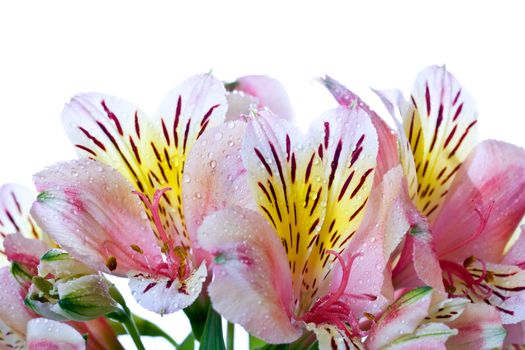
{"points": [[212, 335], [304, 342], [118, 328], [274, 347], [314, 346], [148, 328], [197, 314], [256, 343], [188, 343], [145, 327]]}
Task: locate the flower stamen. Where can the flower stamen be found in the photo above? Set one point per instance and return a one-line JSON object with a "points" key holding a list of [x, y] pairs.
{"points": [[334, 308], [177, 263]]}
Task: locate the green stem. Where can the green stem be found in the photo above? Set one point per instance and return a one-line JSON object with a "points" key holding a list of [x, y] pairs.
{"points": [[131, 327], [125, 317], [230, 336]]}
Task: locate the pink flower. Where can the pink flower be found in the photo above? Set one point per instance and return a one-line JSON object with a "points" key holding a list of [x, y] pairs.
{"points": [[92, 207], [420, 262], [24, 243], [471, 194], [309, 256]]}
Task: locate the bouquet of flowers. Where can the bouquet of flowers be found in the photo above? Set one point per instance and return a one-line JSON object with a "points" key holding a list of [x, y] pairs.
{"points": [[353, 235]]}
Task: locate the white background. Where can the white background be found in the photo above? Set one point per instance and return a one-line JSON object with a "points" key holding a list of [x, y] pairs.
{"points": [[50, 50]]}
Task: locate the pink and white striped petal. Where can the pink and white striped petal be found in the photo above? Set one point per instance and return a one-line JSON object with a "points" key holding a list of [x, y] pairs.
{"points": [[13, 313], [166, 296], [479, 328], [89, 209], [484, 205], [252, 282], [411, 307], [44, 334], [259, 91], [24, 250]]}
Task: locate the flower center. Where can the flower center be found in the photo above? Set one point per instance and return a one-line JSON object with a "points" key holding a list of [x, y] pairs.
{"points": [[475, 281], [178, 262], [334, 308]]}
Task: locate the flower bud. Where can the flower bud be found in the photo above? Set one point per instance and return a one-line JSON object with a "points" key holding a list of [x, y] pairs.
{"points": [[67, 289], [85, 298]]}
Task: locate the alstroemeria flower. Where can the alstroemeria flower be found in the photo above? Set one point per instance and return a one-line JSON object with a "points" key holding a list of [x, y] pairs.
{"points": [[285, 266], [472, 195], [419, 249], [100, 218], [24, 243]]}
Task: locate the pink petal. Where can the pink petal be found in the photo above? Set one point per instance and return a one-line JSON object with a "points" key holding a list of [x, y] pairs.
{"points": [[13, 313], [479, 328], [24, 250], [516, 253], [214, 175], [251, 279], [411, 308], [44, 334], [265, 91], [89, 209], [392, 99], [515, 335], [387, 156], [199, 102], [381, 231], [489, 186], [101, 335], [166, 296], [419, 265]]}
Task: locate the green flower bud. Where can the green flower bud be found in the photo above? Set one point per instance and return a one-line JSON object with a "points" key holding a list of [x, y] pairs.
{"points": [[67, 289], [85, 298]]}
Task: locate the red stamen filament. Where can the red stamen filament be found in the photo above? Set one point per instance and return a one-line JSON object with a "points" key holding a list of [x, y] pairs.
{"points": [[475, 285], [174, 260], [334, 308]]}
